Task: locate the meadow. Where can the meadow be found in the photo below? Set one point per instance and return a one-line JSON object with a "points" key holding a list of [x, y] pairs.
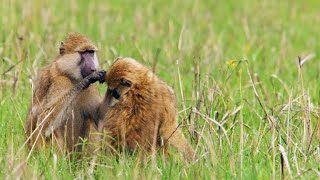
{"points": [[246, 76]]}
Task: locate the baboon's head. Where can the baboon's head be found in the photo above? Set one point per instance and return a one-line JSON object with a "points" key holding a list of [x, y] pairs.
{"points": [[76, 43], [78, 56], [126, 74]]}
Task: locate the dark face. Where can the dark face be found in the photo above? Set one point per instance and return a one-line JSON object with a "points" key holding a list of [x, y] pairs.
{"points": [[118, 88], [88, 63], [114, 93]]}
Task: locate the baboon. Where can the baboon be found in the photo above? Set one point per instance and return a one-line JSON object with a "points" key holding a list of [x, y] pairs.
{"points": [[140, 111], [64, 106]]}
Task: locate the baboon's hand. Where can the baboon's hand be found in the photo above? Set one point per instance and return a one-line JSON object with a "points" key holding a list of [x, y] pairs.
{"points": [[97, 76], [92, 78], [103, 76]]}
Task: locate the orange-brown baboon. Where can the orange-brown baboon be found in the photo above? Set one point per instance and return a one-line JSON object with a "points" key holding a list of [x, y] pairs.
{"points": [[140, 110], [64, 105]]}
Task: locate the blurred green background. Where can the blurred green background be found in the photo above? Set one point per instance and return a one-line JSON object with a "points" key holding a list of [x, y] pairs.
{"points": [[217, 47]]}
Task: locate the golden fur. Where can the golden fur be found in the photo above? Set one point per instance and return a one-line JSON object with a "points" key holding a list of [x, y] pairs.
{"points": [[76, 42], [145, 115], [62, 111]]}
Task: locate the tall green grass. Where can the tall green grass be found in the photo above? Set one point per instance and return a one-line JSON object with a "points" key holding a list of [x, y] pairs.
{"points": [[248, 107]]}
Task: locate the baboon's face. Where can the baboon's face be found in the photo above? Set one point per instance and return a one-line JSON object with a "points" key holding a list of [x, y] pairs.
{"points": [[78, 56], [124, 75], [120, 76], [117, 89], [88, 63]]}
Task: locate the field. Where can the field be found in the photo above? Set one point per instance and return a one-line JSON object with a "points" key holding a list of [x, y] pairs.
{"points": [[246, 75]]}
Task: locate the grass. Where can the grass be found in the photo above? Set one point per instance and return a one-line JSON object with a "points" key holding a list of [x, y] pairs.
{"points": [[246, 105]]}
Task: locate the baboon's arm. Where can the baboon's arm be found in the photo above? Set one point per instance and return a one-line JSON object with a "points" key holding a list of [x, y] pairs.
{"points": [[64, 100]]}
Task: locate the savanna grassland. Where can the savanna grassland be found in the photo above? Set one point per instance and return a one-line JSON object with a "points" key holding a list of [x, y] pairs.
{"points": [[246, 75]]}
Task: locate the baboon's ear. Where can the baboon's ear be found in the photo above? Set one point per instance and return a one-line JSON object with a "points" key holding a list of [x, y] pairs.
{"points": [[126, 83], [62, 50], [118, 58]]}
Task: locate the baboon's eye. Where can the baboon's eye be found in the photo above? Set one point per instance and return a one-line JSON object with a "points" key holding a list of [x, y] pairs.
{"points": [[87, 51], [126, 83], [62, 50]]}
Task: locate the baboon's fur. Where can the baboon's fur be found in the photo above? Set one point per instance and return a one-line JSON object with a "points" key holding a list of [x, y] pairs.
{"points": [[63, 109], [145, 115]]}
